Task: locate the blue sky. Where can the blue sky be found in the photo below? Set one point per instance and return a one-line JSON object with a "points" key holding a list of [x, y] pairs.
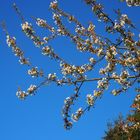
{"points": [[39, 117]]}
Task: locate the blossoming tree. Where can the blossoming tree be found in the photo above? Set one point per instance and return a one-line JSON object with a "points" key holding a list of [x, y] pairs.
{"points": [[122, 54], [126, 129]]}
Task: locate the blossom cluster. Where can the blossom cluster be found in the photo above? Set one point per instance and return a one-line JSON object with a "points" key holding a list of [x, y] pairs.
{"points": [[133, 2], [30, 91], [122, 78], [47, 50], [72, 69], [67, 104], [42, 23], [34, 72], [103, 84], [11, 42], [28, 30], [77, 115], [90, 99], [54, 4]]}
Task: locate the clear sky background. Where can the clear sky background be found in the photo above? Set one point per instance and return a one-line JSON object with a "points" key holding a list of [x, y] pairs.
{"points": [[39, 117]]}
